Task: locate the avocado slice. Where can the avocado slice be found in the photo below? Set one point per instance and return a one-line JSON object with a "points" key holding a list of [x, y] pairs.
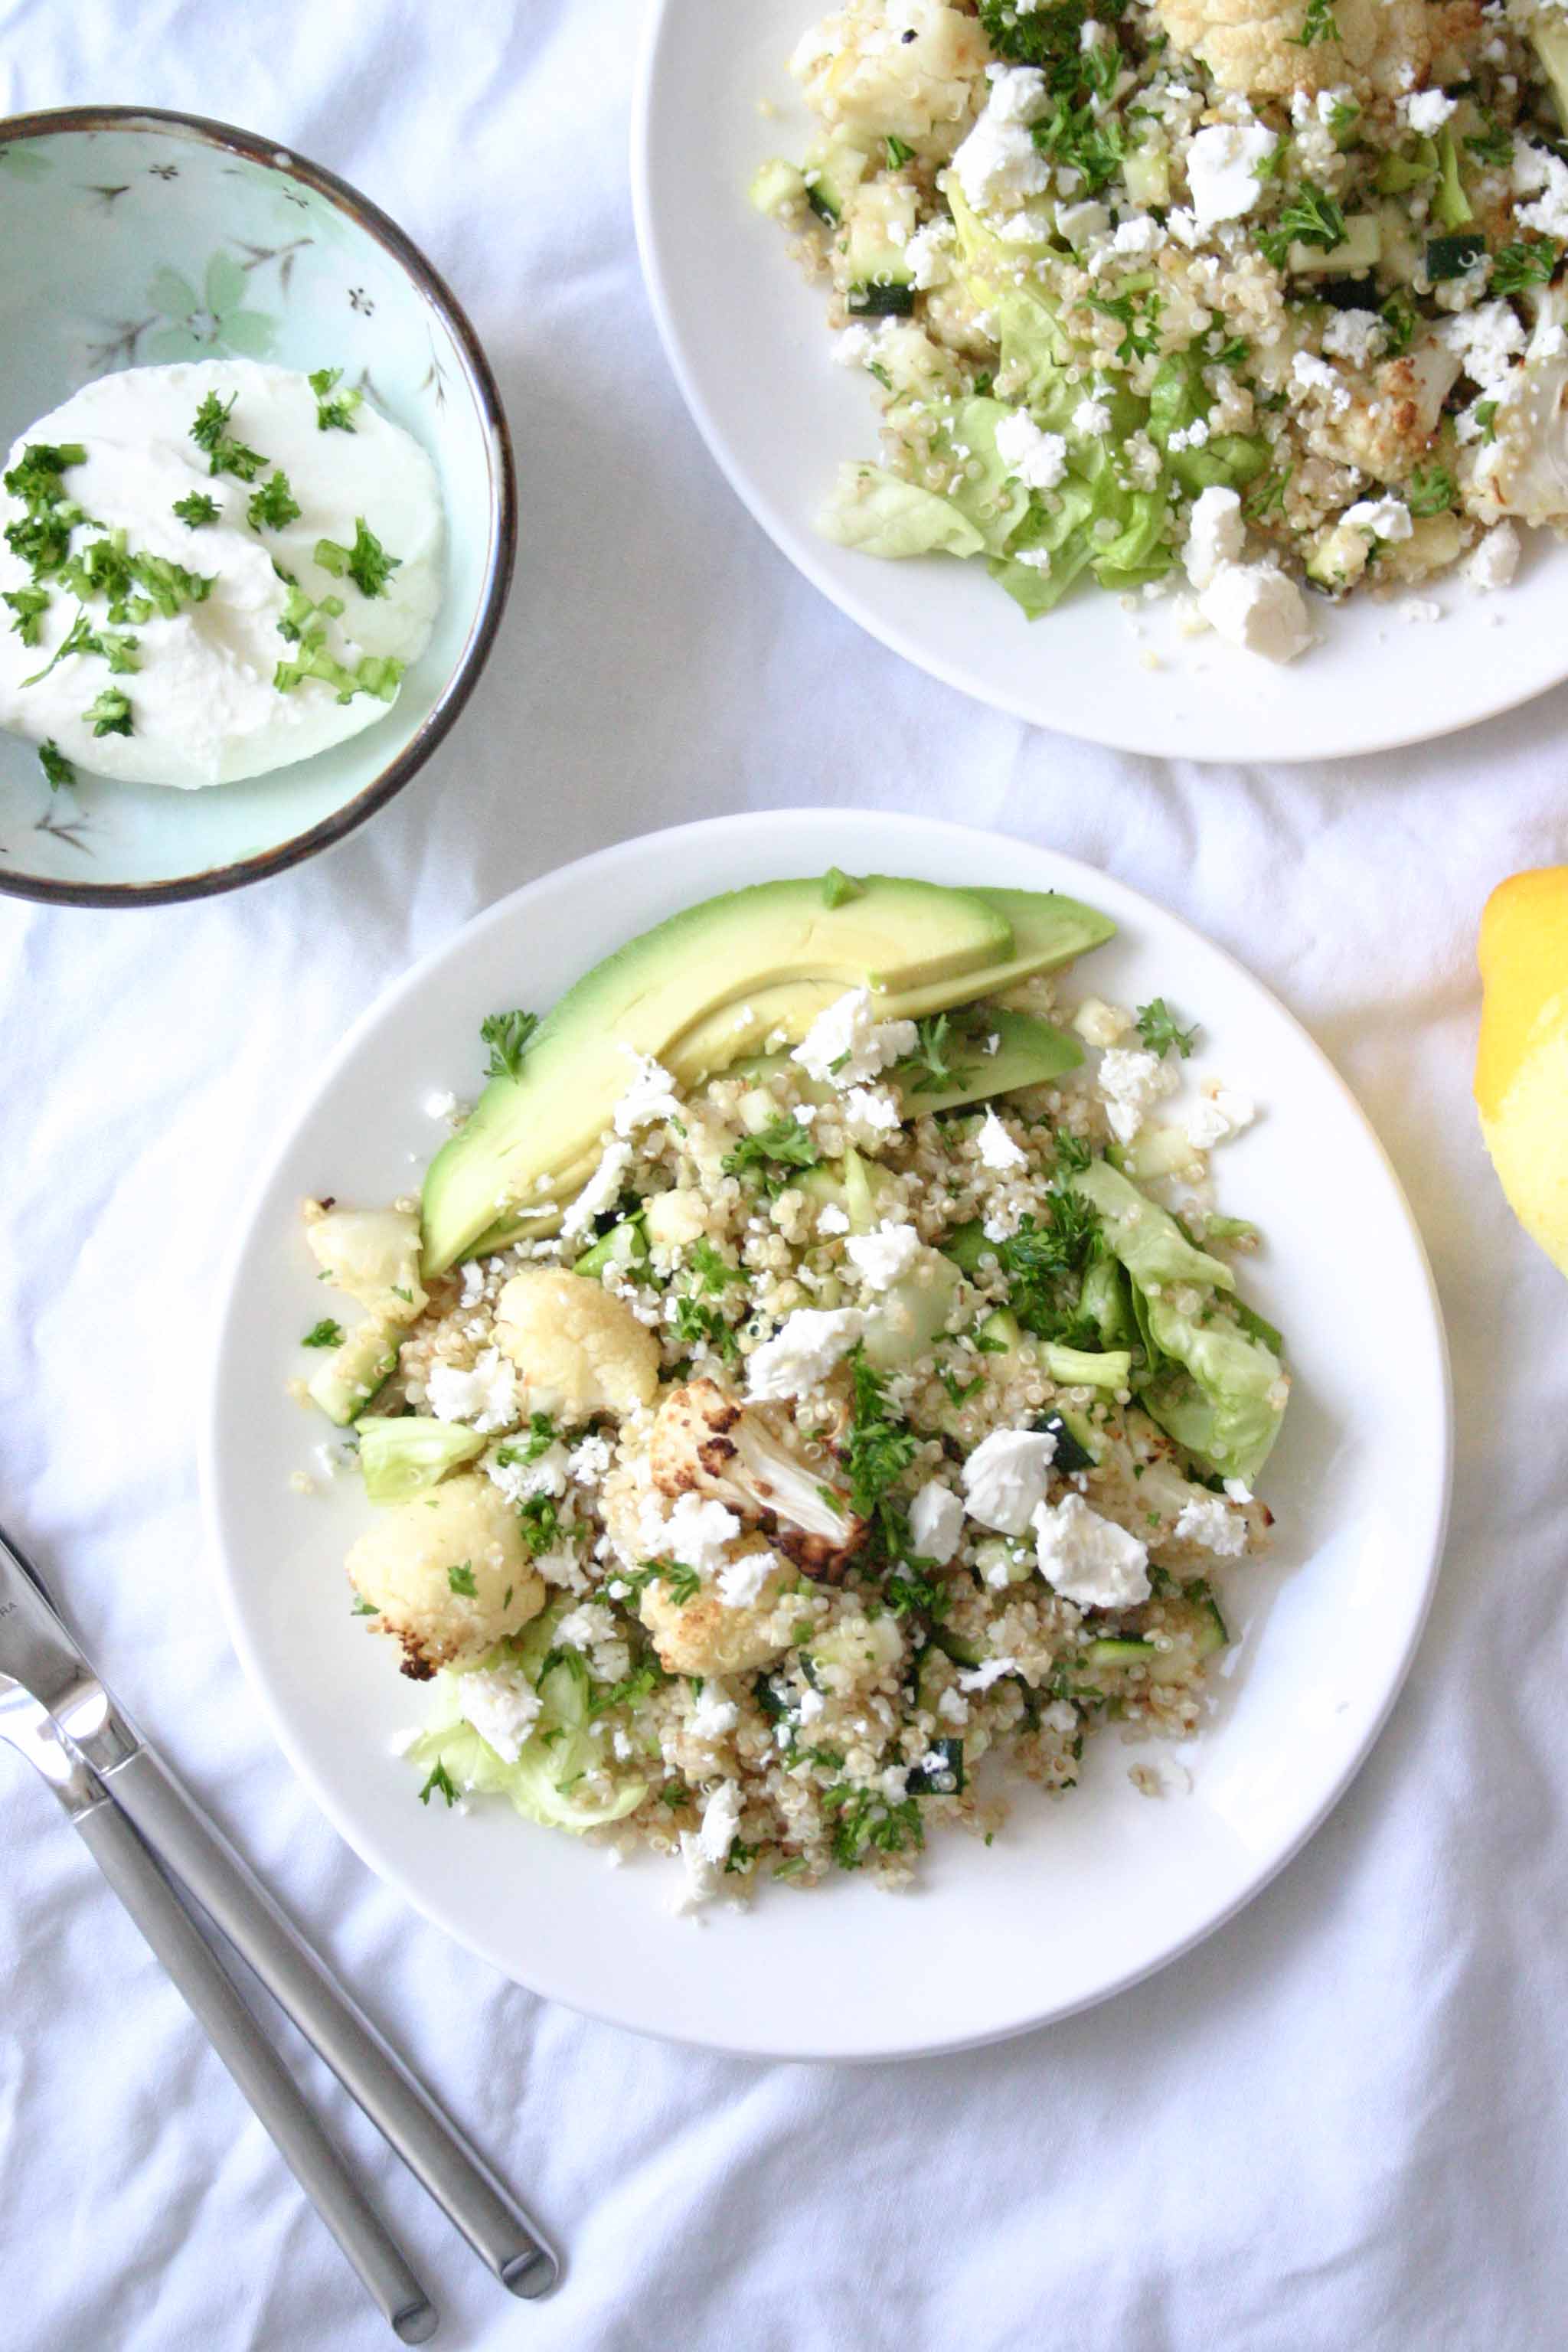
{"points": [[1048, 931], [703, 965]]}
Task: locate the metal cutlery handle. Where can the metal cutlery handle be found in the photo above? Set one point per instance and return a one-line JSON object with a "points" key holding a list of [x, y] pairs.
{"points": [[462, 2185], [255, 2067]]}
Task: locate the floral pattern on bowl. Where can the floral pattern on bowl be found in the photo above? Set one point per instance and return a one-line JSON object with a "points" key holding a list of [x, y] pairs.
{"points": [[131, 240]]}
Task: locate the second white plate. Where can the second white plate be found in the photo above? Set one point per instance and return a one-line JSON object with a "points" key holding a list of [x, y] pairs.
{"points": [[748, 341], [1076, 1897]]}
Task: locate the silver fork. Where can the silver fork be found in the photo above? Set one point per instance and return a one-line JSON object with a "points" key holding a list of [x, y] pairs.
{"points": [[27, 1726]]}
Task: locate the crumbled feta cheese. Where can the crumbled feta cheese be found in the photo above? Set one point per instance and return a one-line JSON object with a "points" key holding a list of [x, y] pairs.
{"points": [[812, 1705], [741, 1581], [1132, 1081], [1221, 170], [1004, 1478], [857, 345], [1426, 111], [871, 1114], [588, 1461], [1537, 172], [1139, 235], [885, 1256], [648, 1098], [473, 1284], [1313, 375], [804, 1350], [721, 1819], [1486, 341], [1088, 1560], [485, 1398], [583, 1626], [713, 1715], [561, 1569], [519, 1480], [501, 1707], [1255, 606], [1217, 535], [1494, 560], [1204, 1520], [952, 1706], [936, 1522], [998, 165], [1387, 519], [832, 1219], [1222, 1112], [997, 1148], [1037, 459], [845, 1044], [1423, 609], [441, 1105], [927, 255], [599, 1194], [1238, 1490], [1357, 336], [981, 1677], [1091, 417]]}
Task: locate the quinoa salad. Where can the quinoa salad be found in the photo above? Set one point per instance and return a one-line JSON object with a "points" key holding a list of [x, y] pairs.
{"points": [[859, 1425], [1231, 300]]}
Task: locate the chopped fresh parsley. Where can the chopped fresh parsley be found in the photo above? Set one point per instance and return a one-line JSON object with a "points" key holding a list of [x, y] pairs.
{"points": [[1308, 216], [1485, 413], [81, 637], [461, 1579], [1517, 268], [1431, 490], [507, 1035], [1400, 320], [960, 1391], [199, 508], [783, 1145], [1072, 1152], [929, 1067], [29, 604], [274, 504], [867, 1824], [57, 768], [898, 153], [225, 453], [696, 1324], [1158, 1028], [1044, 1265], [324, 1334], [439, 1784], [36, 477], [1142, 338], [711, 1271], [1319, 23], [879, 1450], [906, 1589], [363, 1608], [1268, 497], [111, 714], [680, 1582], [366, 562], [1492, 148], [540, 1519], [334, 409]]}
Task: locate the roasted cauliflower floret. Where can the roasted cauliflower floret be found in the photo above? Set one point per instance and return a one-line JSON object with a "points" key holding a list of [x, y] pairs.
{"points": [[1524, 471], [862, 69], [707, 1635], [1388, 431], [447, 1574], [372, 1255], [579, 1348], [750, 1458], [1139, 1483], [1255, 45]]}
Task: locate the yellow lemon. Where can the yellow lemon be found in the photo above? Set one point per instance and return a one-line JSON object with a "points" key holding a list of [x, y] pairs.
{"points": [[1521, 1062]]}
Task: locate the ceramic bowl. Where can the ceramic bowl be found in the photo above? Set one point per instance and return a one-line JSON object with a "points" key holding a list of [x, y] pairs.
{"points": [[131, 237]]}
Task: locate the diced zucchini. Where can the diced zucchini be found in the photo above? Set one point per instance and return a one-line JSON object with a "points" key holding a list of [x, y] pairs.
{"points": [[1451, 257], [1077, 1447], [353, 1373], [833, 169], [1359, 249], [1147, 171], [962, 1651], [777, 187], [1001, 1332], [910, 1316], [1111, 1652], [966, 1245]]}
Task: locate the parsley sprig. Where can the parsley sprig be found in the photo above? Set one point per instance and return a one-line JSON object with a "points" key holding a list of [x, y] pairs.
{"points": [[334, 409], [929, 1067], [1162, 1033], [772, 1152], [507, 1035], [1319, 23], [366, 562], [225, 453]]}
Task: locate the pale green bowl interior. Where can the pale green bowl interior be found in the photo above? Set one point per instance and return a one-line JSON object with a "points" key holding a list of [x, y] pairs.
{"points": [[148, 240]]}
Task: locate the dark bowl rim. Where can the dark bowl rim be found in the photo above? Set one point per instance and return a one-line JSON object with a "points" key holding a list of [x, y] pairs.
{"points": [[277, 156]]}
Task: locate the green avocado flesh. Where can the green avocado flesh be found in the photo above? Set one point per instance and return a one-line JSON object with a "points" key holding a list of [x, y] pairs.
{"points": [[703, 991], [1028, 1053]]}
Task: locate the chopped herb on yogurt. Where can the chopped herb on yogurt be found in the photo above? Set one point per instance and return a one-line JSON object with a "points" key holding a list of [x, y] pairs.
{"points": [[200, 508], [274, 504], [366, 562], [335, 410]]}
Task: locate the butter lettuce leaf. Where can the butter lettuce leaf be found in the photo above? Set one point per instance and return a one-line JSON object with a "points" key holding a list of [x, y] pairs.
{"points": [[880, 513]]}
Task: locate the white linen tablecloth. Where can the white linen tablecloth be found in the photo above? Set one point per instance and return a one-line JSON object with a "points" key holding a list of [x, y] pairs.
{"points": [[1341, 2123]]}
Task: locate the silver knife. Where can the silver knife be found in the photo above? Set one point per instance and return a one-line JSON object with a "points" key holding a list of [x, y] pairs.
{"points": [[38, 1652]]}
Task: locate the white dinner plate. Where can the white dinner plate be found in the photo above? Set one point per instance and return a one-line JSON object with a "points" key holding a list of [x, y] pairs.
{"points": [[747, 338], [1077, 1896]]}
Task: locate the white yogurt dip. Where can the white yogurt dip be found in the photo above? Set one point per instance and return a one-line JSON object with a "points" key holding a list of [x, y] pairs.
{"points": [[202, 703]]}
